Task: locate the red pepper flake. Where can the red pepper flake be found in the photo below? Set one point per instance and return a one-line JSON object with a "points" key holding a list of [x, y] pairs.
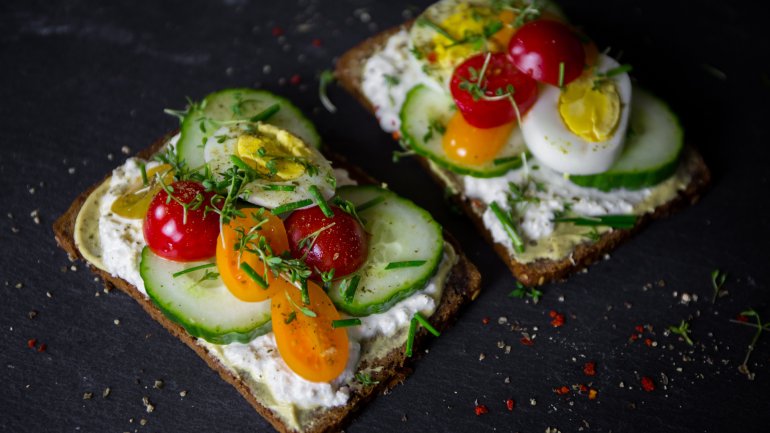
{"points": [[634, 337], [648, 342], [561, 391], [485, 320], [481, 409], [42, 348], [639, 328], [558, 319], [316, 42], [510, 404], [397, 136], [277, 31], [589, 369], [647, 384], [583, 388], [592, 394], [432, 57], [742, 318], [295, 79], [527, 341], [31, 343]]}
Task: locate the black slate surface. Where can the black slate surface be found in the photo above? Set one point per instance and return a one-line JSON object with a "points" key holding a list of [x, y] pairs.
{"points": [[82, 79]]}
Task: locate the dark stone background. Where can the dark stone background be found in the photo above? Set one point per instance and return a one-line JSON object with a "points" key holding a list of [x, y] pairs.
{"points": [[81, 79]]}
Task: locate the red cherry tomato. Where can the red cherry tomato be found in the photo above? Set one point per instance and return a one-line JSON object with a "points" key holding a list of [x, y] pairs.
{"points": [[338, 243], [498, 76], [539, 47], [174, 236]]}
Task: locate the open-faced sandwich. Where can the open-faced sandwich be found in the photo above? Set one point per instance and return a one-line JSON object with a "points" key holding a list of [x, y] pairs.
{"points": [[306, 286], [542, 138]]}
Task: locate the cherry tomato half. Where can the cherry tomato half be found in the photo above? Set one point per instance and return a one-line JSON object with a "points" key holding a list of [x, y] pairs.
{"points": [[229, 259], [180, 234], [338, 243], [308, 343], [539, 48], [499, 75]]}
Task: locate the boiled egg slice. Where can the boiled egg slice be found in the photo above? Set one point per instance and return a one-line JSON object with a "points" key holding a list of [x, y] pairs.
{"points": [[581, 128], [287, 166]]}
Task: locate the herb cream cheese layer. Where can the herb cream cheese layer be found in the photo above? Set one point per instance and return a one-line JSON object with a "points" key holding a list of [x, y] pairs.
{"points": [[114, 244], [542, 193]]}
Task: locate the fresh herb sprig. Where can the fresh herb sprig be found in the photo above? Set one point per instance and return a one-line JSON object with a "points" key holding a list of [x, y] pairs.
{"points": [[718, 279], [683, 330], [508, 227], [521, 291], [346, 323], [365, 379], [760, 326], [326, 78]]}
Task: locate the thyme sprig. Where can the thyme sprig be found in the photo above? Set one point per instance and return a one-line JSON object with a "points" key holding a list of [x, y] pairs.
{"points": [[521, 291], [760, 326], [326, 78], [477, 87], [365, 379]]}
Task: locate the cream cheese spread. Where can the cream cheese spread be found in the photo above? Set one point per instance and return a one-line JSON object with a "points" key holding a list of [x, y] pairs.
{"points": [[258, 362]]}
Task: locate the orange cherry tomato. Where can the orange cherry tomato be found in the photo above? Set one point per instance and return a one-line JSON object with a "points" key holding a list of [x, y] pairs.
{"points": [[470, 145], [309, 345], [229, 259]]}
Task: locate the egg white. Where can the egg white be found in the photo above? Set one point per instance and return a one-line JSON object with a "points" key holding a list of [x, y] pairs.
{"points": [[223, 143], [551, 141]]}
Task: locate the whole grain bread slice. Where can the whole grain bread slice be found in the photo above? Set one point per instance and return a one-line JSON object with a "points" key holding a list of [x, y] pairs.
{"points": [[349, 73], [463, 285]]}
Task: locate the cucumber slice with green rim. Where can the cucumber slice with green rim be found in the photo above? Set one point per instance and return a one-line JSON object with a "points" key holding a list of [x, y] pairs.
{"points": [[425, 106], [238, 104], [401, 232], [204, 307], [651, 154]]}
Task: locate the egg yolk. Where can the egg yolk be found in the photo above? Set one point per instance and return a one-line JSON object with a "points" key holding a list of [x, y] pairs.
{"points": [[468, 21], [590, 108], [469, 145], [273, 152]]}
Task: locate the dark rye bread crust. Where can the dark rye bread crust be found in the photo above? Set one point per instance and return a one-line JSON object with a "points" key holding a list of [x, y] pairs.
{"points": [[349, 73], [463, 285]]}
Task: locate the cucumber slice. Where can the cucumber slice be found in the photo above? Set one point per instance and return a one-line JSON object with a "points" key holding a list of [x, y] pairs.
{"points": [[238, 104], [206, 309], [424, 106], [651, 155], [400, 232]]}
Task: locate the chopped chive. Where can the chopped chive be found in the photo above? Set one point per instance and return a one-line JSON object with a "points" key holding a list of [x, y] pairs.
{"points": [[304, 292], [613, 221], [425, 324], [349, 291], [410, 337], [561, 74], [304, 310], [266, 113], [370, 203], [193, 269], [345, 323], [422, 21], [242, 165], [279, 187], [506, 160], [290, 318], [505, 220], [143, 169], [253, 275], [288, 207], [321, 201], [405, 264]]}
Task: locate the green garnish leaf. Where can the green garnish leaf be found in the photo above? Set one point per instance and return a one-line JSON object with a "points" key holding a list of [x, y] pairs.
{"points": [[613, 221], [346, 323], [348, 288], [326, 78], [266, 114], [682, 330], [425, 324], [290, 318], [251, 273], [718, 279], [405, 264], [304, 310], [279, 188], [507, 223], [321, 201], [193, 269], [521, 291], [410, 337], [365, 379], [288, 207], [370, 203]]}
